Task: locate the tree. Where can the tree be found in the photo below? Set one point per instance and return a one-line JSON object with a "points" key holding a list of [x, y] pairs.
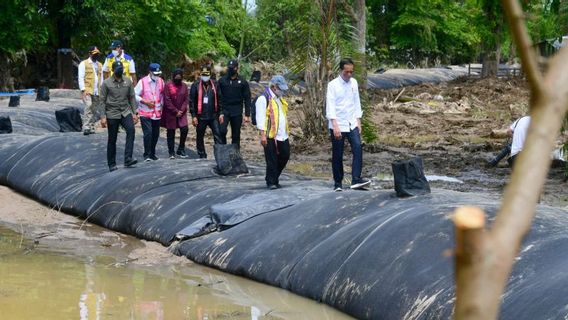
{"points": [[484, 259], [21, 29]]}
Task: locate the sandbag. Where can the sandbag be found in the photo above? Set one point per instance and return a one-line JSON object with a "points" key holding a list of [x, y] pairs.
{"points": [[229, 160], [42, 94], [69, 119], [14, 101], [409, 179], [5, 125]]}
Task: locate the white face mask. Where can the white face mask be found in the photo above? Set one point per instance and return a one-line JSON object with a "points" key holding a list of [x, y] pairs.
{"points": [[153, 77], [205, 78], [115, 53]]}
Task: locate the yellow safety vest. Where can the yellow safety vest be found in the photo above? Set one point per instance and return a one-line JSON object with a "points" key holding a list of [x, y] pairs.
{"points": [[125, 59], [272, 116], [90, 76]]}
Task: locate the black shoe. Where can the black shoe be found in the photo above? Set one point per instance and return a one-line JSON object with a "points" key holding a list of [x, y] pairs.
{"points": [[172, 156], [181, 153], [360, 184], [130, 163], [153, 157], [278, 186], [112, 168], [272, 187], [202, 155]]}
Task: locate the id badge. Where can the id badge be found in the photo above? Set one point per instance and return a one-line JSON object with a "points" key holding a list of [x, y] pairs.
{"points": [[205, 100]]}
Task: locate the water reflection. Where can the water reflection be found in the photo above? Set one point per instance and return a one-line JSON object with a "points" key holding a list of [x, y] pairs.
{"points": [[39, 282]]}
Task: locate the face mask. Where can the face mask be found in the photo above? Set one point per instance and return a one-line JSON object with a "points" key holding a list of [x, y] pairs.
{"points": [[177, 81], [205, 78], [118, 72], [95, 57], [115, 53], [153, 77], [231, 71]]}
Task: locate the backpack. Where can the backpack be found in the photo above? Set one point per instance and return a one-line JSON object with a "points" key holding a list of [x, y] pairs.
{"points": [[253, 106]]}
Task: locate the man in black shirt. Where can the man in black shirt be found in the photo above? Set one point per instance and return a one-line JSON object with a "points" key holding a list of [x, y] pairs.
{"points": [[234, 92], [205, 109]]}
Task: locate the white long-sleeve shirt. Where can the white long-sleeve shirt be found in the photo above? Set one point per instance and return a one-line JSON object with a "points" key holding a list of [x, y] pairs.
{"points": [[343, 104], [98, 76], [261, 105], [520, 129]]}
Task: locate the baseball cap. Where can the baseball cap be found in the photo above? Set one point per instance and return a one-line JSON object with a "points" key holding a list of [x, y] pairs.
{"points": [[115, 43], [116, 64], [280, 82], [233, 63], [155, 69]]}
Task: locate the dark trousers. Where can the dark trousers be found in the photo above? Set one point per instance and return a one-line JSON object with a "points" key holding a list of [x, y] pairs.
{"points": [[112, 124], [151, 130], [200, 130], [171, 135], [354, 139], [236, 123], [276, 154]]}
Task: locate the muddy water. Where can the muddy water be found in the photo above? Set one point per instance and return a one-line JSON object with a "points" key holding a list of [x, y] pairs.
{"points": [[54, 266]]}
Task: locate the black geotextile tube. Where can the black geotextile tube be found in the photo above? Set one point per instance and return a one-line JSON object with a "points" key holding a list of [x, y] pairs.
{"points": [[369, 254]]}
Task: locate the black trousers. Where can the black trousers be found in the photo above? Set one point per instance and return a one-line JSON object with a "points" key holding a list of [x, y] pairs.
{"points": [[112, 125], [151, 130], [171, 135], [276, 154], [236, 123], [200, 130]]}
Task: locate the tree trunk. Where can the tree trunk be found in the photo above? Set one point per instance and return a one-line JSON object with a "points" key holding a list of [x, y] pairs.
{"points": [[492, 54], [65, 70], [6, 80]]}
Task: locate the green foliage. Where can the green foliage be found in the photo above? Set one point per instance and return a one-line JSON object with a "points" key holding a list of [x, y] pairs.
{"points": [[21, 27], [443, 30]]}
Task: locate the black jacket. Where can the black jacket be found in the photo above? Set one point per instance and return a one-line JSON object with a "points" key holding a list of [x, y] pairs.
{"points": [[207, 109], [233, 93]]}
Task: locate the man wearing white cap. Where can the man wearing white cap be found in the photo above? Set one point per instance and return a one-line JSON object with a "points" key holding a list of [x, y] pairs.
{"points": [[271, 120], [90, 79], [150, 96]]}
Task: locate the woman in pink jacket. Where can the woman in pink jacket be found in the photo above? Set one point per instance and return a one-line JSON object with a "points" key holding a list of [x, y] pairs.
{"points": [[174, 116]]}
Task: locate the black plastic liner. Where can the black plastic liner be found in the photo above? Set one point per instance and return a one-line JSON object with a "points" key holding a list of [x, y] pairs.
{"points": [[367, 253]]}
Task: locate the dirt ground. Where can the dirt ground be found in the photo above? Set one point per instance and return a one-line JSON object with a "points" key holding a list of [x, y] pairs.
{"points": [[449, 125]]}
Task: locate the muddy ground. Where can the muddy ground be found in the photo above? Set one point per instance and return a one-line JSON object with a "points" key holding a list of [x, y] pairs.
{"points": [[449, 125]]}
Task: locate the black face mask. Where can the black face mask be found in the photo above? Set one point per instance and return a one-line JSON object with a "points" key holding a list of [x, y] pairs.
{"points": [[95, 57], [231, 71], [119, 71], [177, 81]]}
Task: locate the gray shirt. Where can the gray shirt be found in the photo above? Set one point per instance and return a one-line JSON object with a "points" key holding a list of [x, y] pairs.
{"points": [[118, 97]]}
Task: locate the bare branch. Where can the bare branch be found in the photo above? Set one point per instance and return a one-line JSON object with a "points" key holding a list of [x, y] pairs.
{"points": [[529, 61]]}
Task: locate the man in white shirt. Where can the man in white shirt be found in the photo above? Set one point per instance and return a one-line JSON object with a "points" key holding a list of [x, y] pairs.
{"points": [[343, 110], [90, 76], [271, 120], [519, 131]]}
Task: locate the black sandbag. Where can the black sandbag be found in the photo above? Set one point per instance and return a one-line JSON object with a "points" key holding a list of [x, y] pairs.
{"points": [[42, 94], [69, 119], [32, 121], [409, 179], [363, 254], [229, 159], [14, 101], [255, 77], [5, 125]]}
